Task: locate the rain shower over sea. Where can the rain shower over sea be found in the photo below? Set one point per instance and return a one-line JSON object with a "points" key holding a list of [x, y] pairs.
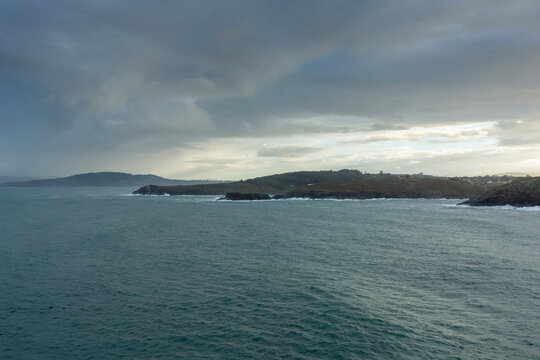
{"points": [[94, 273]]}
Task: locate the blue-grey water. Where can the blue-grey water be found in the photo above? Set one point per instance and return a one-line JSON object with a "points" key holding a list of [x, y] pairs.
{"points": [[93, 273]]}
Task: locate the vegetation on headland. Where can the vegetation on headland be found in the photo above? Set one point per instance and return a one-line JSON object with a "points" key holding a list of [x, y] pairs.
{"points": [[522, 192], [390, 187], [272, 184], [287, 181], [342, 184]]}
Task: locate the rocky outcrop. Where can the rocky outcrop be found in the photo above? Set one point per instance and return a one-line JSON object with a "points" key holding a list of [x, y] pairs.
{"points": [[207, 189], [246, 196], [525, 192]]}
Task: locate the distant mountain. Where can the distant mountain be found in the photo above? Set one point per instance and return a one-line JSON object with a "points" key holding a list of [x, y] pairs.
{"points": [[106, 179], [5, 179]]}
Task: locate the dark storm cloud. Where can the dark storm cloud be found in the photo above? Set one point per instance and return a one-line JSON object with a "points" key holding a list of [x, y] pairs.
{"points": [[146, 76]]}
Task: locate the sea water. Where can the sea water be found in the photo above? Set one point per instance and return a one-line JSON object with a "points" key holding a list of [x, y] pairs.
{"points": [[94, 273]]}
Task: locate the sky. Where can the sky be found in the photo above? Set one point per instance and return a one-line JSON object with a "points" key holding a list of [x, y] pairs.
{"points": [[237, 89]]}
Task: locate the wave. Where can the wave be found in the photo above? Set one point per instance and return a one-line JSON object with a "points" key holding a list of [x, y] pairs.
{"points": [[500, 207]]}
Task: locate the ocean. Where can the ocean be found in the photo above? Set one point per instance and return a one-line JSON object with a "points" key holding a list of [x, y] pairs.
{"points": [[96, 273]]}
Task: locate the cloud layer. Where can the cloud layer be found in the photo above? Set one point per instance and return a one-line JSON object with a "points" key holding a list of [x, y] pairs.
{"points": [[240, 88]]}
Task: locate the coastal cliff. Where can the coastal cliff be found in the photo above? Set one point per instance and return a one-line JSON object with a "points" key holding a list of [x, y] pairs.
{"points": [[524, 192]]}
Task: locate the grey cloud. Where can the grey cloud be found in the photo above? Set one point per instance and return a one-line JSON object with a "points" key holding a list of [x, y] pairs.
{"points": [[469, 163], [426, 136], [517, 132], [155, 75], [454, 65], [379, 127], [288, 151], [520, 141], [231, 47], [373, 139]]}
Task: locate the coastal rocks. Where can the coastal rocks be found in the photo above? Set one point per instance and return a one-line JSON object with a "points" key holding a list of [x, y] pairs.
{"points": [[178, 190], [148, 190], [246, 196], [313, 194], [520, 193], [207, 189]]}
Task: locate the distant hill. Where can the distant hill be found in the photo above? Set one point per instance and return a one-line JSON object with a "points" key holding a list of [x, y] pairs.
{"points": [[523, 192], [105, 179], [5, 179]]}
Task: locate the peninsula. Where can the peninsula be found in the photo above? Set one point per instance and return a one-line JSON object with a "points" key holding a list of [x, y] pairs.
{"points": [[342, 184]]}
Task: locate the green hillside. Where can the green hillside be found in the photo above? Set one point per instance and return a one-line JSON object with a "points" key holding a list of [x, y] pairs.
{"points": [[333, 184], [286, 181], [390, 187]]}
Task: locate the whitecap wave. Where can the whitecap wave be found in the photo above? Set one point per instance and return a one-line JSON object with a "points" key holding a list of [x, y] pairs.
{"points": [[500, 207]]}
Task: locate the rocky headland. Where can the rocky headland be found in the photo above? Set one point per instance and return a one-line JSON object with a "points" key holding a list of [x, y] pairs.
{"points": [[272, 184], [342, 184], [207, 189], [520, 193]]}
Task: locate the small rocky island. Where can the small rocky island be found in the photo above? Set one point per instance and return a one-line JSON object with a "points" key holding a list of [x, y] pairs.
{"points": [[520, 193]]}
